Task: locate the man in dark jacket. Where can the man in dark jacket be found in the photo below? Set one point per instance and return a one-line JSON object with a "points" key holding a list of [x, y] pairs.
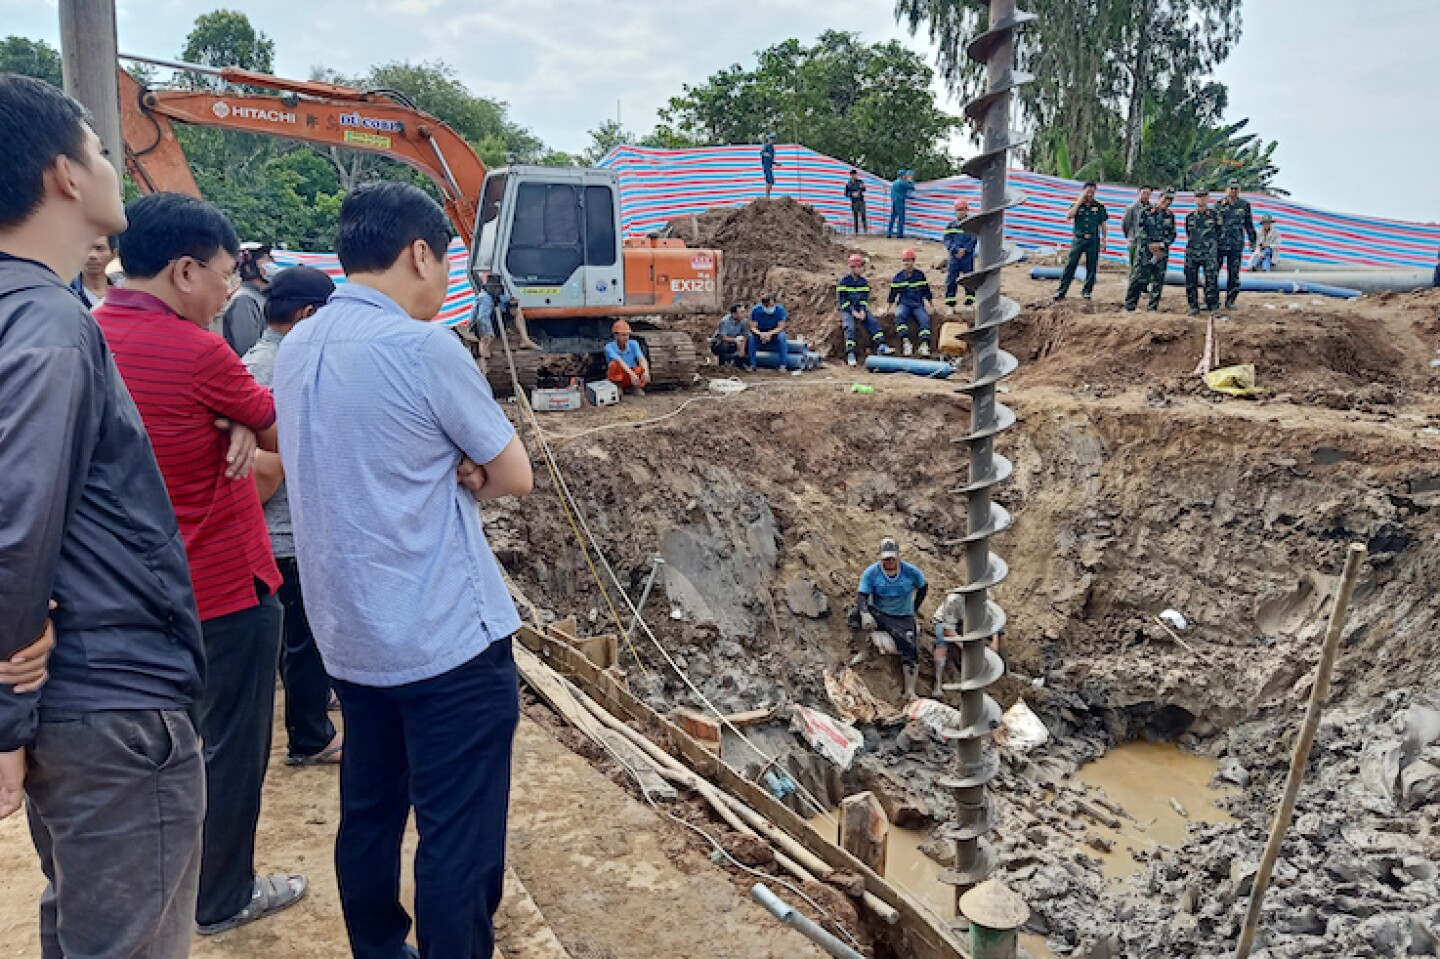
{"points": [[910, 296], [960, 256], [855, 193], [106, 751]]}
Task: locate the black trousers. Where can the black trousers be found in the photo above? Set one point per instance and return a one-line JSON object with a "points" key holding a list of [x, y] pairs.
{"points": [[1230, 260], [443, 746], [1090, 249], [116, 801], [241, 651], [307, 688], [857, 214], [900, 628]]}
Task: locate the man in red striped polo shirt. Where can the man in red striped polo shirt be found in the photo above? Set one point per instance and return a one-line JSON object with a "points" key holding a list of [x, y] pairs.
{"points": [[179, 258]]}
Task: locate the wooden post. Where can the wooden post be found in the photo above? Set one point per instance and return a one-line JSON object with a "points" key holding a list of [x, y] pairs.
{"points": [[88, 59], [864, 830], [1319, 693]]}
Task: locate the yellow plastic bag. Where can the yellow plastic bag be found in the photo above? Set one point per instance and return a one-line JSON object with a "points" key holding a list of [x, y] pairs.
{"points": [[1234, 380]]}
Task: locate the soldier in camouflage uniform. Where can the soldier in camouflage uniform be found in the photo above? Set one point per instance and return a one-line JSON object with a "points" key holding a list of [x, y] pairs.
{"points": [[1202, 252], [1153, 234], [1237, 224], [1089, 215]]}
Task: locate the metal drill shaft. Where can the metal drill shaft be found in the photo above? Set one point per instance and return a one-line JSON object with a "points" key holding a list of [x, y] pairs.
{"points": [[974, 764]]}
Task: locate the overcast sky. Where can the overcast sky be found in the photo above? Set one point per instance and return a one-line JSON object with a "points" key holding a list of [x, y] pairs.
{"points": [[1348, 88]]}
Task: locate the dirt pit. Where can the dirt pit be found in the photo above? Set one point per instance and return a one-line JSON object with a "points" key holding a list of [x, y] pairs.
{"points": [[1136, 490]]}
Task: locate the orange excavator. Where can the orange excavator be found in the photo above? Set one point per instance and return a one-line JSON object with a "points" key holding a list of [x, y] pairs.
{"points": [[547, 237]]}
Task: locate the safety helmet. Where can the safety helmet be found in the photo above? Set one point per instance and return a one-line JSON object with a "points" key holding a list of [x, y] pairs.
{"points": [[856, 259], [908, 255]]}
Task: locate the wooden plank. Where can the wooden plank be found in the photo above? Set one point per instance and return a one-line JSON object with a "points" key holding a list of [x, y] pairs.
{"points": [[751, 717], [917, 933], [864, 829], [702, 727]]}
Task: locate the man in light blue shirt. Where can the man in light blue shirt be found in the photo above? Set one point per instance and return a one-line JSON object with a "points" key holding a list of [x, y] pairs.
{"points": [[890, 592], [389, 435], [625, 365]]}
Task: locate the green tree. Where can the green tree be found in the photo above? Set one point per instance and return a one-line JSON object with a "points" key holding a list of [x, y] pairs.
{"points": [[226, 38], [866, 104], [1102, 68], [604, 138], [30, 58]]}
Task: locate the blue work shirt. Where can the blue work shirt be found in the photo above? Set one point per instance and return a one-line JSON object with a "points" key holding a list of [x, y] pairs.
{"points": [[893, 596], [376, 409], [764, 321], [900, 191], [630, 356], [767, 155]]}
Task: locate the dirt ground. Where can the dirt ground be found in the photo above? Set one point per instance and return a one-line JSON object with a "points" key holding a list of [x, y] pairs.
{"points": [[601, 866], [1136, 489]]}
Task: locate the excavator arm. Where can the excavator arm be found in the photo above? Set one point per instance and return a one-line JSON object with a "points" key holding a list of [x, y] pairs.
{"points": [[325, 114]]}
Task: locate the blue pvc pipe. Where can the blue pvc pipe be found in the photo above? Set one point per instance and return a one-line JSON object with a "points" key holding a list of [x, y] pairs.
{"points": [[1249, 284], [904, 364], [795, 360]]}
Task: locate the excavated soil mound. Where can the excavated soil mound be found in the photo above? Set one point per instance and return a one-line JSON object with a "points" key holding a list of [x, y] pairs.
{"points": [[764, 232], [774, 246]]}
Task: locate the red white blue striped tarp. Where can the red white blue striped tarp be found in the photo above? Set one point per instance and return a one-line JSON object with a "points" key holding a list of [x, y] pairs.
{"points": [[457, 301], [658, 185]]}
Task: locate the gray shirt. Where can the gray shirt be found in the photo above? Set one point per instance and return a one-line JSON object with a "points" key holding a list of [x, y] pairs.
{"points": [[260, 361], [244, 318], [731, 327]]}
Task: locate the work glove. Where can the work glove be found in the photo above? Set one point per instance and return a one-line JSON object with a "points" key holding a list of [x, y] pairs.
{"points": [[867, 620]]}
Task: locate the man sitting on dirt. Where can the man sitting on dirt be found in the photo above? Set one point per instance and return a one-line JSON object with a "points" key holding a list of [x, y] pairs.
{"points": [[853, 299], [911, 291], [890, 592], [767, 332], [731, 339], [626, 365], [960, 256], [1267, 246], [949, 627]]}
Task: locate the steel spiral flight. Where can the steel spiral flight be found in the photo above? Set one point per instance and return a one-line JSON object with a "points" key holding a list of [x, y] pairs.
{"points": [[975, 764]]}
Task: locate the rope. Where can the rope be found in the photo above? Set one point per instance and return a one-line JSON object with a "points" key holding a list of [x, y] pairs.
{"points": [[565, 499], [577, 526]]}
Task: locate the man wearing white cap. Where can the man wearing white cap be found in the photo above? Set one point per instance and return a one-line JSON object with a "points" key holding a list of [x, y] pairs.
{"points": [[890, 592]]}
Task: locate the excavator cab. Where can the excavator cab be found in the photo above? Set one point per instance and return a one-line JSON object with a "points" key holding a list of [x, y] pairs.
{"points": [[551, 237]]}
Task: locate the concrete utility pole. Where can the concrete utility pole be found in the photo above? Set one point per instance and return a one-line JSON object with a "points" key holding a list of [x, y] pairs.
{"points": [[89, 56]]}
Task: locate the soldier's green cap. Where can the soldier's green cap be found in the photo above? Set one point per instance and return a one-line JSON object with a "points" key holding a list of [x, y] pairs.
{"points": [[1233, 185], [1202, 192], [1168, 195]]}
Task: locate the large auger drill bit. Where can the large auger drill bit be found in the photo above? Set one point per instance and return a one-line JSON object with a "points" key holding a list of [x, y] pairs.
{"points": [[980, 667]]}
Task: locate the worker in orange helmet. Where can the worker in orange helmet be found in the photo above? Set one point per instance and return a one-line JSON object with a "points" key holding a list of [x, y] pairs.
{"points": [[625, 364]]}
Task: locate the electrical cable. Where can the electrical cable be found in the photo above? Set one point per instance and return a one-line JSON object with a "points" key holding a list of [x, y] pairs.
{"points": [[715, 843], [574, 516]]}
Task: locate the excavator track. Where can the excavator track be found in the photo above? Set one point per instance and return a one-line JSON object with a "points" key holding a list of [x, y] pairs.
{"points": [[672, 357], [527, 368]]}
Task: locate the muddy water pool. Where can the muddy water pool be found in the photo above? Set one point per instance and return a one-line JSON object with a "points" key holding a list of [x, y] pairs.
{"points": [[1146, 780]]}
